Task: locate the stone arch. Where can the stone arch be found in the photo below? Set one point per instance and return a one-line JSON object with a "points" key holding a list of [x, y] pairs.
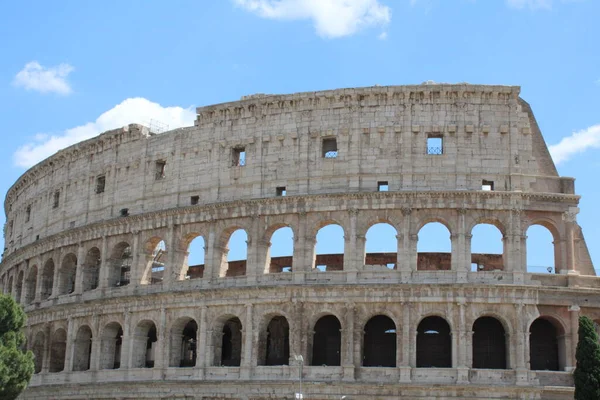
{"points": [[229, 351], [490, 344], [547, 344], [379, 342], [47, 279], [144, 344], [119, 265], [430, 237], [280, 248], [66, 274], [111, 343], [381, 245], [58, 348], [194, 260], [234, 251], [155, 253], [534, 234], [19, 286], [31, 284], [274, 341], [91, 269], [434, 343], [183, 343], [82, 349], [487, 245], [330, 236], [39, 345], [327, 341]]}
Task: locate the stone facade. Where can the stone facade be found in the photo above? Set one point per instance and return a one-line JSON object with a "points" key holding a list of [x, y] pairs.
{"points": [[83, 227]]}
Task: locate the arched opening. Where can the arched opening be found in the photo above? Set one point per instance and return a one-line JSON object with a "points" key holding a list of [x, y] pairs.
{"points": [[237, 253], [434, 248], [281, 251], [111, 343], [487, 248], [120, 265], [329, 249], [381, 247], [546, 345], [19, 287], [82, 349], [66, 274], [91, 270], [327, 342], [144, 345], [58, 348], [541, 253], [194, 263], [158, 258], [47, 279], [379, 343], [10, 286], [184, 343], [434, 343], [277, 346], [231, 345], [489, 344], [31, 284], [38, 352]]}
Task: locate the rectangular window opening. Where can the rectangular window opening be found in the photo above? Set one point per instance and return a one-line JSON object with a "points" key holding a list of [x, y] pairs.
{"points": [[487, 185], [435, 145], [124, 212], [100, 184], [330, 149], [28, 213], [160, 169], [382, 186], [239, 156], [281, 192], [194, 200], [56, 200]]}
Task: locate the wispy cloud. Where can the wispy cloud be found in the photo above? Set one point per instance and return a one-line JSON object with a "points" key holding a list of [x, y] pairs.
{"points": [[577, 143], [132, 110], [35, 76], [331, 18]]}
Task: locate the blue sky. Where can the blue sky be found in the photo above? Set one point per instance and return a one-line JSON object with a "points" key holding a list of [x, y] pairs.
{"points": [[72, 69]]}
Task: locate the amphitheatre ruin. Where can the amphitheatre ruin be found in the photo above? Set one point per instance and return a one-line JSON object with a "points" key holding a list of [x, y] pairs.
{"points": [[98, 240]]}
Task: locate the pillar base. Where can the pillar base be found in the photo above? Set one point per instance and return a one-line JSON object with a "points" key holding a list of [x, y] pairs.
{"points": [[299, 277], [522, 377], [351, 277], [461, 277], [405, 374], [518, 277], [245, 373], [462, 376], [348, 373]]}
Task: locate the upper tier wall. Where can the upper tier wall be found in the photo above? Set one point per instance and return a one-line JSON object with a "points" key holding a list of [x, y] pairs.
{"points": [[381, 134]]}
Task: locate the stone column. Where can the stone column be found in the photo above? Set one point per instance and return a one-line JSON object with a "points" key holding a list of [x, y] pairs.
{"points": [[57, 256], [202, 346], [172, 269], [404, 343], [301, 264], [70, 348], [570, 218], [104, 264], [96, 352], [297, 331], [161, 359], [247, 362], [257, 251], [79, 269], [349, 339], [127, 343], [407, 250], [521, 346], [138, 262], [211, 267], [570, 360], [462, 345], [47, 349], [352, 246]]}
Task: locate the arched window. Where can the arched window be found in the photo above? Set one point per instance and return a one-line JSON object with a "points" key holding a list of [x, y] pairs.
{"points": [[231, 345], [91, 270], [277, 347], [487, 248], [281, 251], [120, 265], [329, 248], [545, 341], [434, 248], [379, 344], [82, 349], [19, 288], [541, 253], [58, 347], [184, 334], [489, 344], [194, 264], [38, 351], [327, 342], [144, 345], [381, 247], [66, 275], [31, 284], [111, 344], [47, 279], [237, 254], [434, 343]]}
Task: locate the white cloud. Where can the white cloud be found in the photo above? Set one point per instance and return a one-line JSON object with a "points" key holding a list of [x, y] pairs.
{"points": [[577, 143], [533, 4], [332, 18], [132, 110], [44, 80]]}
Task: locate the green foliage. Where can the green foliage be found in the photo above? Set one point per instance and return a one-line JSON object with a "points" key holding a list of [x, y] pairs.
{"points": [[587, 373], [16, 365]]}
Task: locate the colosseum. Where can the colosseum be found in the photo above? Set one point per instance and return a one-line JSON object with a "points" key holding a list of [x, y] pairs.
{"points": [[99, 237]]}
